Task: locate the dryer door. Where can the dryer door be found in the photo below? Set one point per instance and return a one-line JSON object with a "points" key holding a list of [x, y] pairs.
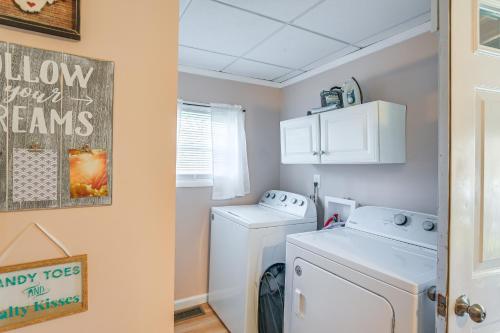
{"points": [[325, 303]]}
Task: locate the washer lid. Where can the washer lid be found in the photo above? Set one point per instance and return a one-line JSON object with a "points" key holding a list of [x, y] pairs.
{"points": [[258, 216], [405, 266]]}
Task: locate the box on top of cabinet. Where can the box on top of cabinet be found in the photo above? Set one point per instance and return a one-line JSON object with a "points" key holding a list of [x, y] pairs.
{"points": [[371, 133]]}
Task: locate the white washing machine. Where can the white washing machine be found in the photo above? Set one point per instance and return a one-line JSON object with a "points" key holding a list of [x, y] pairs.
{"points": [[371, 276], [245, 241]]}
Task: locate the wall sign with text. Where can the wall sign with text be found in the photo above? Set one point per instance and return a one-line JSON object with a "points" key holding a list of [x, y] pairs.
{"points": [[35, 292], [56, 129]]}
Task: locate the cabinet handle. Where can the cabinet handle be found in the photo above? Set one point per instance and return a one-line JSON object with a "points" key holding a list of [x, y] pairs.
{"points": [[315, 153], [323, 152]]}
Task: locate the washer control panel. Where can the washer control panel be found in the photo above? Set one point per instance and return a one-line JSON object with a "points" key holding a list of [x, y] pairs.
{"points": [[410, 227], [290, 203]]}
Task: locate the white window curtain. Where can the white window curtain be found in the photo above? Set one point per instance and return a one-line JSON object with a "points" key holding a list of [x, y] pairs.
{"points": [[229, 147]]}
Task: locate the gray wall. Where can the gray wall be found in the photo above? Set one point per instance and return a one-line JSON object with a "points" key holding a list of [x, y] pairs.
{"points": [[263, 107], [405, 74]]}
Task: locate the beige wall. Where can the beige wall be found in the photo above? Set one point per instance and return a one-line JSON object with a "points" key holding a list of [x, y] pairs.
{"points": [[131, 243], [193, 204], [406, 73]]}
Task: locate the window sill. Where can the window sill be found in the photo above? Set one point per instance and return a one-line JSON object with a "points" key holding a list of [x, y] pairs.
{"points": [[194, 183]]}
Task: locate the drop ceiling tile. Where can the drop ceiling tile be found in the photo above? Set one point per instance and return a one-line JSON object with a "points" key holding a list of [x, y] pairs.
{"points": [[183, 5], [332, 57], [216, 27], [356, 20], [203, 59], [255, 70], [288, 76], [284, 10], [294, 48]]}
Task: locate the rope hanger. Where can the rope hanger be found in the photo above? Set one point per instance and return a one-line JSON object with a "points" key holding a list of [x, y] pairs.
{"points": [[44, 231]]}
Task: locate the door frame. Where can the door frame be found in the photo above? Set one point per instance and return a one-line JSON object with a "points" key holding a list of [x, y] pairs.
{"points": [[442, 279]]}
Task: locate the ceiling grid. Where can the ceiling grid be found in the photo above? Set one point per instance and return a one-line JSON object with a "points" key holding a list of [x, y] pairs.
{"points": [[281, 40]]}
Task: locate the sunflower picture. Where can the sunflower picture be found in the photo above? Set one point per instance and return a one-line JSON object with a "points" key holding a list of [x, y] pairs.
{"points": [[88, 174]]}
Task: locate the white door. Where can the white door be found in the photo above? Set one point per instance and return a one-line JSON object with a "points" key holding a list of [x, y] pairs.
{"points": [[300, 140], [350, 135], [322, 300], [474, 243]]}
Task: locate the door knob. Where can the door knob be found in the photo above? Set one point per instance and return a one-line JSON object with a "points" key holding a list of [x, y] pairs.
{"points": [[476, 312], [431, 293]]}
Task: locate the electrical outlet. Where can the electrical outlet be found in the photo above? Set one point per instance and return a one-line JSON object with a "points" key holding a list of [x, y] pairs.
{"points": [[317, 179]]}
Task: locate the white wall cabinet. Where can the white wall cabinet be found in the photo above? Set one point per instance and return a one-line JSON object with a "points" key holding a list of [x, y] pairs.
{"points": [[300, 140], [371, 133]]}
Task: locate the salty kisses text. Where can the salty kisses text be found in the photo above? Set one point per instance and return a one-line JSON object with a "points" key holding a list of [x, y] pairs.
{"points": [[49, 73], [47, 304]]}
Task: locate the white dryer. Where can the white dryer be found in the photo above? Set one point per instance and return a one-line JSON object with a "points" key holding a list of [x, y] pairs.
{"points": [[244, 242], [371, 276]]}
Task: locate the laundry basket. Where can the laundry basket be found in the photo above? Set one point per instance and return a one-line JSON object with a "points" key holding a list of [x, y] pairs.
{"points": [[271, 299]]}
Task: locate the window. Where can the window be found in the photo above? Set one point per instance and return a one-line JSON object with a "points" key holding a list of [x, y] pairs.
{"points": [[194, 146], [489, 25]]}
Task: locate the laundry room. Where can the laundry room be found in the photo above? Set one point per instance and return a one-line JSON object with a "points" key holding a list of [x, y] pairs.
{"points": [[285, 110], [250, 166]]}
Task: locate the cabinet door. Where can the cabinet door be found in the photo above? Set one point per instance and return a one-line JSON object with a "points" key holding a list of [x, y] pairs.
{"points": [[350, 135], [300, 140]]}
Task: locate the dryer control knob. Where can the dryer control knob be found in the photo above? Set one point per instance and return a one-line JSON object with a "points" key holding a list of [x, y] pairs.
{"points": [[268, 195], [283, 197], [301, 203], [428, 225], [400, 219], [273, 195], [294, 201]]}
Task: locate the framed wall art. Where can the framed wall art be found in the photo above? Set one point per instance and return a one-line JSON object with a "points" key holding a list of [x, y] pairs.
{"points": [[35, 292], [54, 17]]}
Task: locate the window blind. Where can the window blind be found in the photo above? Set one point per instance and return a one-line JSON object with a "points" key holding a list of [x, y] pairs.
{"points": [[194, 146]]}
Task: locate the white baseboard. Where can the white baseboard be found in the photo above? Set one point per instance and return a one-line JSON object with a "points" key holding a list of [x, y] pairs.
{"points": [[189, 302]]}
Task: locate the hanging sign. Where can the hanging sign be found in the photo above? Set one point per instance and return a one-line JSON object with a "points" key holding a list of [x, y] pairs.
{"points": [[35, 292], [56, 110]]}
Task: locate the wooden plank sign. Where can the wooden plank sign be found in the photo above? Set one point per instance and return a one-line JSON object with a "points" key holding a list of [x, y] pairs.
{"points": [[35, 292], [53, 107], [3, 141]]}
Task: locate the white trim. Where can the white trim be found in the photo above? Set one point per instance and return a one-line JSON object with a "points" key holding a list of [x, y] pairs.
{"points": [[409, 34], [190, 302], [434, 15], [227, 76], [194, 183], [396, 39]]}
